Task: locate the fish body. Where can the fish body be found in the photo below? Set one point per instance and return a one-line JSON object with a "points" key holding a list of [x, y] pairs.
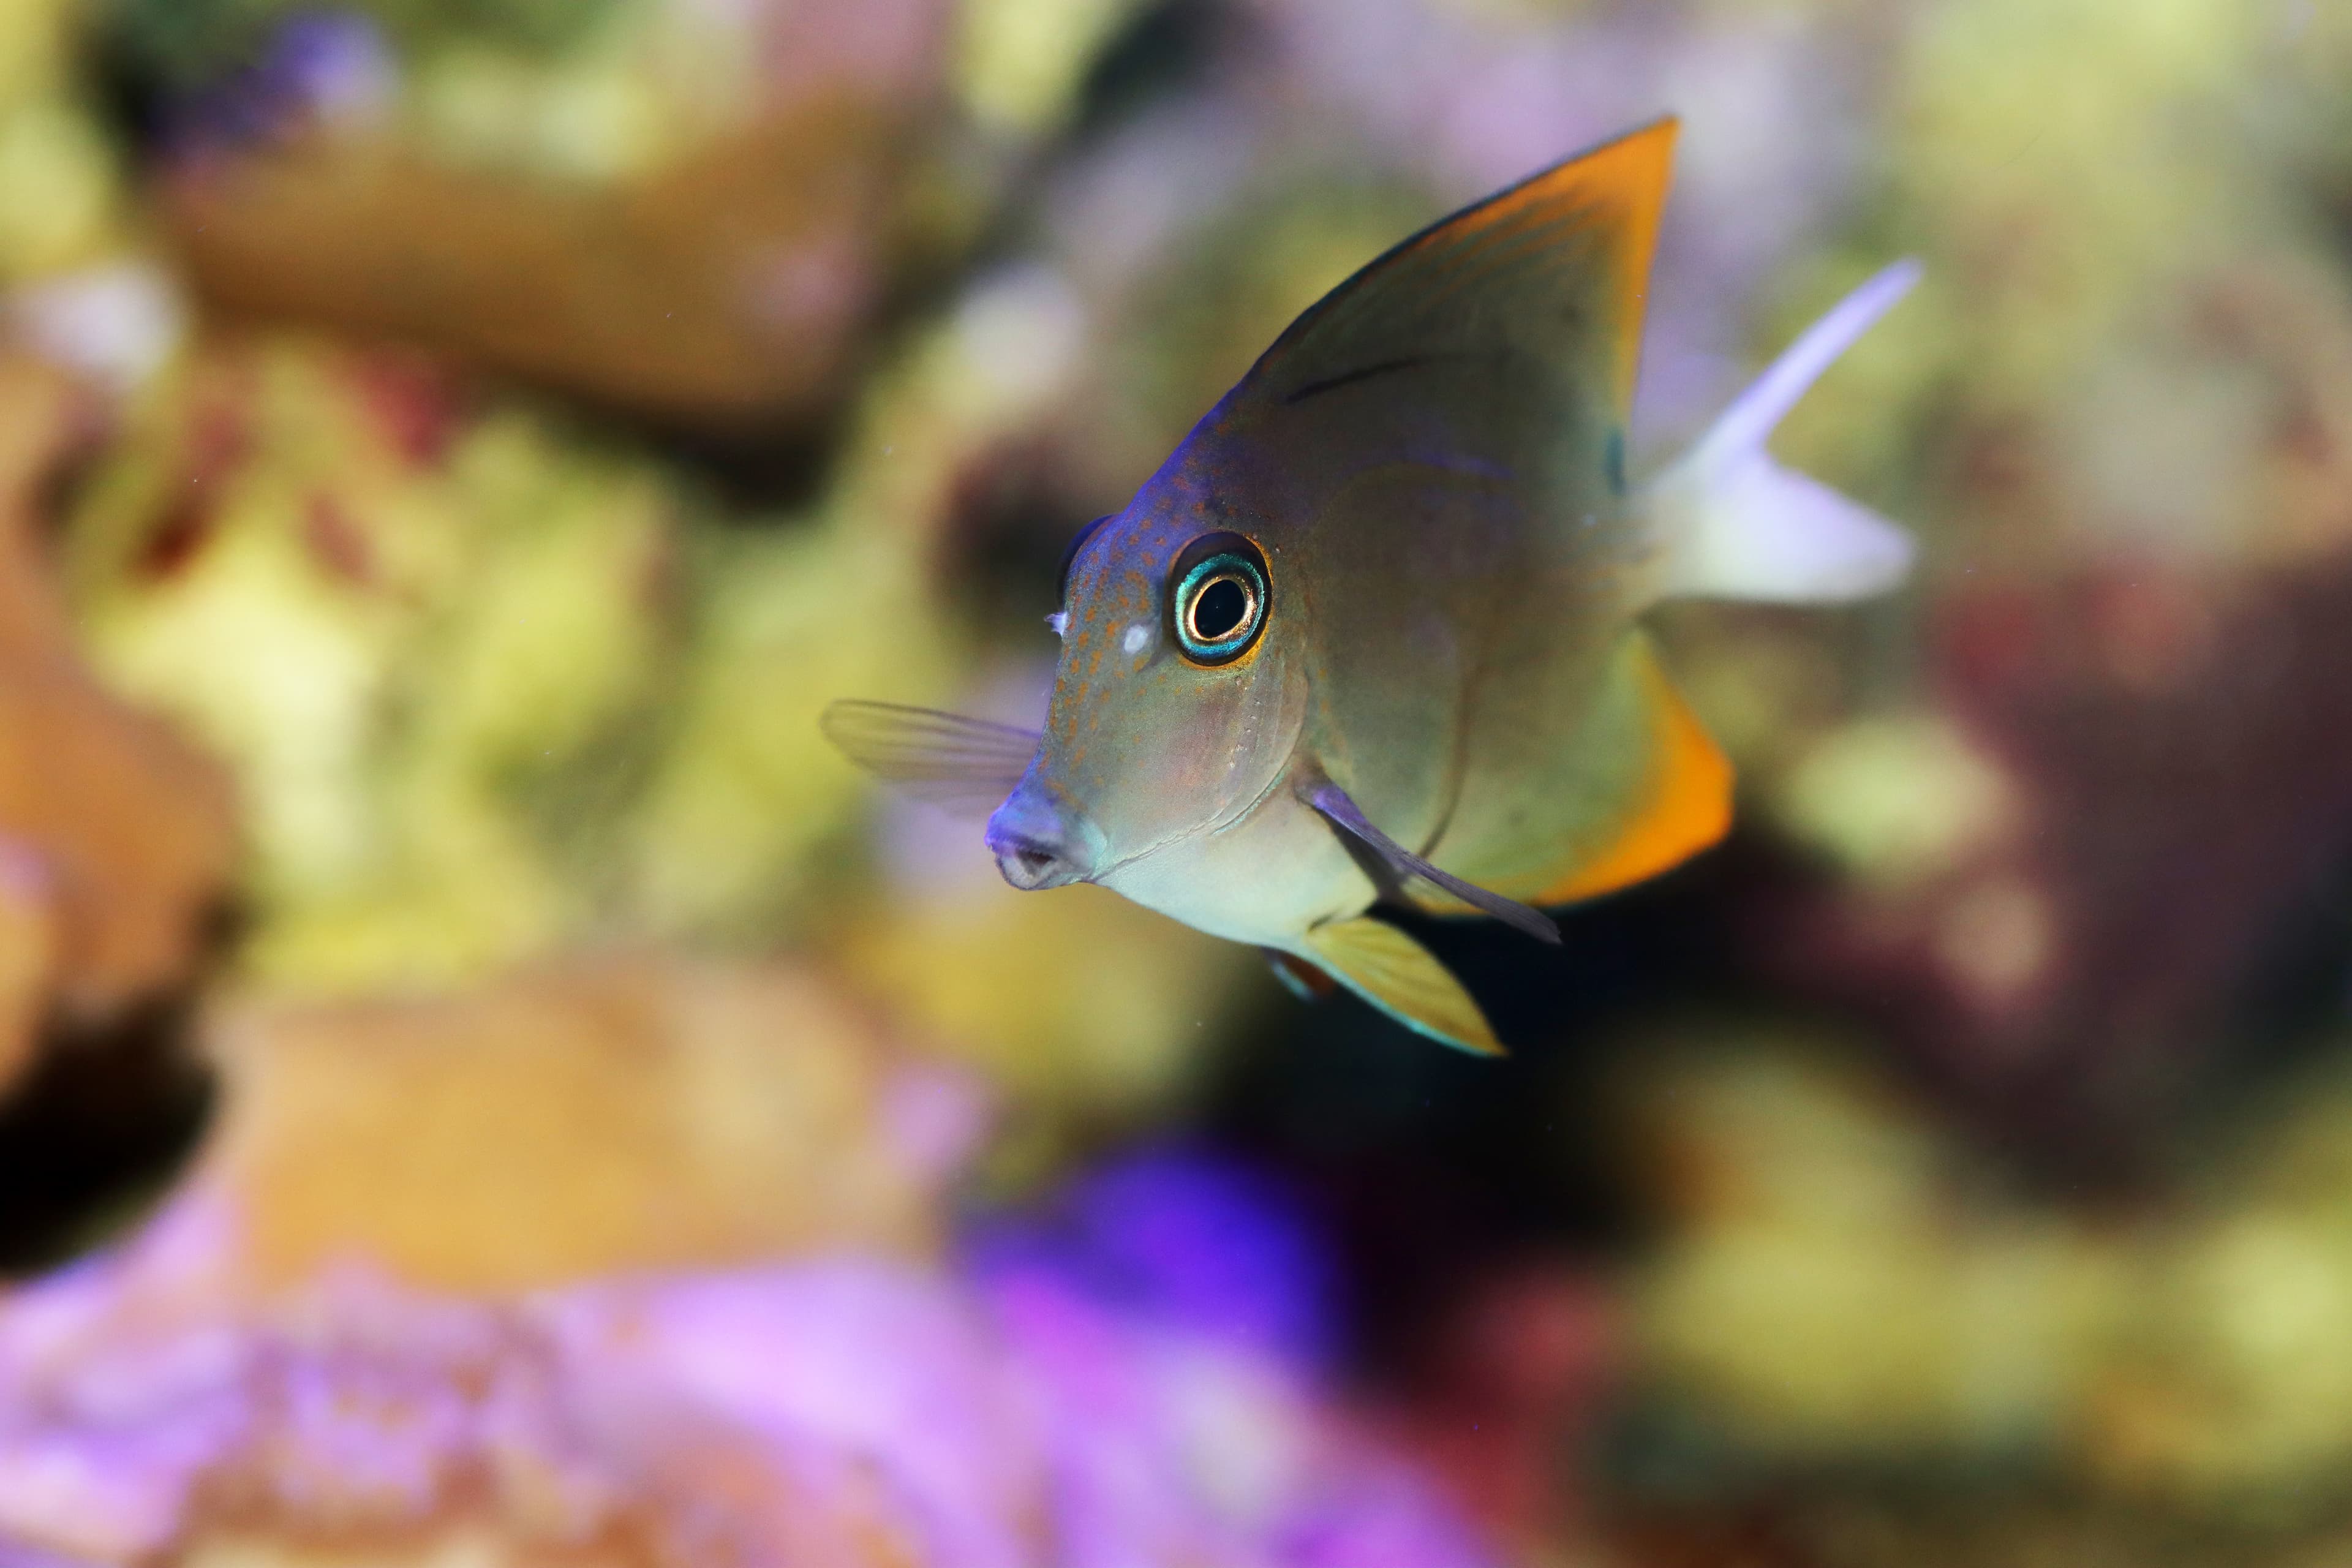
{"points": [[1372, 632]]}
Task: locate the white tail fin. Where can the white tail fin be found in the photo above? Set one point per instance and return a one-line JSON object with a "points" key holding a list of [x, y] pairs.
{"points": [[1736, 525]]}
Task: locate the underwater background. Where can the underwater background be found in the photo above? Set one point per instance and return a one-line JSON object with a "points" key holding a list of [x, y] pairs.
{"points": [[482, 1083]]}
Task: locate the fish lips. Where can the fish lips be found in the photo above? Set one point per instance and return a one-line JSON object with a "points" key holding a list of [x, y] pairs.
{"points": [[1039, 843]]}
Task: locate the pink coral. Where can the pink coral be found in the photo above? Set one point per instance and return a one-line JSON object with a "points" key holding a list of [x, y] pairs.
{"points": [[847, 1411]]}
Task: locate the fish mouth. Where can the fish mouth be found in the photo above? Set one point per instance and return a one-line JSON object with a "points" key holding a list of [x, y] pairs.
{"points": [[1030, 865], [1038, 845]]}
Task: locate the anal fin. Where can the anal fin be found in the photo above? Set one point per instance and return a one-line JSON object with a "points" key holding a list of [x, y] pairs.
{"points": [[1404, 980], [1667, 794]]}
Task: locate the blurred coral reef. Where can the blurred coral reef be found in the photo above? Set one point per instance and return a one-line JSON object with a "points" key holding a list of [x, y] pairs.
{"points": [[481, 1083], [118, 838], [846, 1411], [615, 1114], [1850, 1288]]}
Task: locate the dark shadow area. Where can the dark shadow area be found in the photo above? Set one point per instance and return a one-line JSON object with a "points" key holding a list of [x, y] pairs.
{"points": [[96, 1132]]}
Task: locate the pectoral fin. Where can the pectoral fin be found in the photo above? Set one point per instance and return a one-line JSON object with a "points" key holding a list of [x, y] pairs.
{"points": [[1341, 812], [966, 765], [1399, 977]]}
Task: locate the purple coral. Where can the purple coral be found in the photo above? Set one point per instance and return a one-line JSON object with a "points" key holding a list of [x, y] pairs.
{"points": [[1179, 1236], [845, 1411]]}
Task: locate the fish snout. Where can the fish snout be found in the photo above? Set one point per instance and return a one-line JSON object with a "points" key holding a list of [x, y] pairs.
{"points": [[1039, 845]]}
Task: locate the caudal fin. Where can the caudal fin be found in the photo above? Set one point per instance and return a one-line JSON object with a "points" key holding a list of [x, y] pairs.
{"points": [[1736, 525]]}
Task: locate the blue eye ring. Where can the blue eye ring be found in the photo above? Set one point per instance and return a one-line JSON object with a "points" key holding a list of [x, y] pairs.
{"points": [[1218, 599]]}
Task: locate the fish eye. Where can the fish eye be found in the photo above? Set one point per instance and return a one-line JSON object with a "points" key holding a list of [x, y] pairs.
{"points": [[1070, 559], [1218, 596]]}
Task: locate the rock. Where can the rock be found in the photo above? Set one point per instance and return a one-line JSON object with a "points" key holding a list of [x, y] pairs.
{"points": [[595, 1115]]}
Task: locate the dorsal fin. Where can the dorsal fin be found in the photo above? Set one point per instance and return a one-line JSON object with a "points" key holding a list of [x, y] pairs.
{"points": [[1556, 267]]}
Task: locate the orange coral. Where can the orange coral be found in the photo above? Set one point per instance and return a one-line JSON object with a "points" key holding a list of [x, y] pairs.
{"points": [[624, 1113], [116, 840]]}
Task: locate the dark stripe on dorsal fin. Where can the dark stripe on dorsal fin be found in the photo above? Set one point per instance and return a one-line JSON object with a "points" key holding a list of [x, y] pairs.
{"points": [[1348, 378], [1556, 267]]}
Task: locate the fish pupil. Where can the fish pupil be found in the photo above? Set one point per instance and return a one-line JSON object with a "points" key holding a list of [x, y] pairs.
{"points": [[1216, 598], [1221, 607]]}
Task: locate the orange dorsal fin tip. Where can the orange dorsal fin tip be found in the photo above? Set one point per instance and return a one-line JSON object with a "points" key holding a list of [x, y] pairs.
{"points": [[1632, 175], [1686, 800], [1623, 183], [1580, 232]]}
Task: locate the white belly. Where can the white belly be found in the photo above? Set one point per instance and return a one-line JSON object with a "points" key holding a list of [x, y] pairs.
{"points": [[1261, 880]]}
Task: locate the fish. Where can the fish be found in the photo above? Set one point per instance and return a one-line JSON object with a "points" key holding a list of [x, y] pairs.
{"points": [[1372, 637]]}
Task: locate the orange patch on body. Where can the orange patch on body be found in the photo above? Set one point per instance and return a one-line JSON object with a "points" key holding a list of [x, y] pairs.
{"points": [[1686, 803]]}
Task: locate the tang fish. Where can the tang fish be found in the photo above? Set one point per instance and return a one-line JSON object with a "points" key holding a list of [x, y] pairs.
{"points": [[1373, 632]]}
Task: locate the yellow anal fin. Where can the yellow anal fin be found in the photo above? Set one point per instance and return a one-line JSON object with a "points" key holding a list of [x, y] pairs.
{"points": [[1402, 979], [1679, 803]]}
